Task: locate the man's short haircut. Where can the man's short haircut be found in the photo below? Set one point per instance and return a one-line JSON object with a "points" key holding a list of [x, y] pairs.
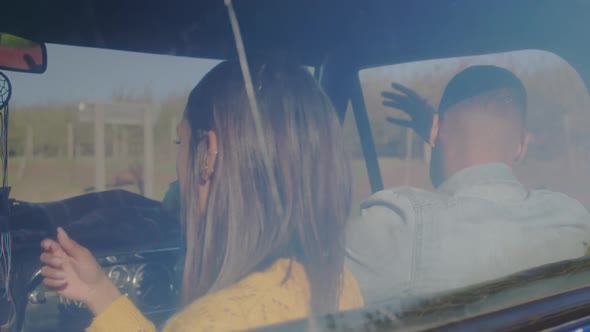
{"points": [[493, 84]]}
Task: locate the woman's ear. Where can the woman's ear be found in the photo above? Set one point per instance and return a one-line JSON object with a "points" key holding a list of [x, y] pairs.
{"points": [[210, 159]]}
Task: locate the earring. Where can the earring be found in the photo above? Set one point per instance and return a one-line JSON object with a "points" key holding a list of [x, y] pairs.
{"points": [[205, 173]]}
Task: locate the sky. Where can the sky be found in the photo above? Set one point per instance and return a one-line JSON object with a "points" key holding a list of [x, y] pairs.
{"points": [[523, 61], [76, 74]]}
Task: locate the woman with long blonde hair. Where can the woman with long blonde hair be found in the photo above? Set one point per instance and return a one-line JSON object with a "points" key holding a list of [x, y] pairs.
{"points": [[264, 219]]}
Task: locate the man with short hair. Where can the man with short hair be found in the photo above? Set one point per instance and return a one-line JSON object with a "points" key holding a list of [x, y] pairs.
{"points": [[480, 223]]}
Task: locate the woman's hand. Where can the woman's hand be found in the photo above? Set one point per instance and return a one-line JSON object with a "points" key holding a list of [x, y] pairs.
{"points": [[73, 272]]}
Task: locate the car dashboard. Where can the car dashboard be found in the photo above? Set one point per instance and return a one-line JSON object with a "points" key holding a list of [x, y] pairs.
{"points": [[135, 240]]}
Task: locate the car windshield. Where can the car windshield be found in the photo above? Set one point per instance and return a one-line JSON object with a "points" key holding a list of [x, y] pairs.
{"points": [[102, 119], [557, 120], [557, 161], [53, 145]]}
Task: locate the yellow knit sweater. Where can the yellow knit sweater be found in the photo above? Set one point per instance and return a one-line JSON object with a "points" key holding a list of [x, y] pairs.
{"points": [[258, 300]]}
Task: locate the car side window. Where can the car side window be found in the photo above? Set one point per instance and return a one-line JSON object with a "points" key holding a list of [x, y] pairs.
{"points": [[559, 153]]}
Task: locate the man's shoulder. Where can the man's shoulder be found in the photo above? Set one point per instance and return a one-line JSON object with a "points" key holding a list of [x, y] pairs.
{"points": [[558, 201], [399, 202], [403, 195]]}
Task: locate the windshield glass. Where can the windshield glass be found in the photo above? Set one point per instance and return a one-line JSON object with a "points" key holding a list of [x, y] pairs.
{"points": [[480, 222], [52, 133], [557, 120], [101, 119]]}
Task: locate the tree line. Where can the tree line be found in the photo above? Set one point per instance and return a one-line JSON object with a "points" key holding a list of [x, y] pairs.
{"points": [[552, 93]]}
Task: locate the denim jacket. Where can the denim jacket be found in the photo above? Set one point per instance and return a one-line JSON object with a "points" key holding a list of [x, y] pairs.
{"points": [[480, 224]]}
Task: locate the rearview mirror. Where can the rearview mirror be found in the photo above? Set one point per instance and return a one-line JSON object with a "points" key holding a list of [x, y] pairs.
{"points": [[19, 54]]}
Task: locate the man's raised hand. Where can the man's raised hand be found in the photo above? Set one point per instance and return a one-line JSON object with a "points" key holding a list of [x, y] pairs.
{"points": [[420, 112]]}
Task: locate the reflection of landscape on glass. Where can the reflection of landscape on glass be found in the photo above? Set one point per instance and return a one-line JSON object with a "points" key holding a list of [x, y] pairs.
{"points": [[112, 125], [557, 118], [54, 150]]}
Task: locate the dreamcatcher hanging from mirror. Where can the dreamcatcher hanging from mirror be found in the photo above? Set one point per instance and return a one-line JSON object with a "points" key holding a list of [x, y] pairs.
{"points": [[5, 236]]}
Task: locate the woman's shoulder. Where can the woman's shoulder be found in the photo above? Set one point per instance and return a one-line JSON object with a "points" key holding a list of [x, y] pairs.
{"points": [[278, 294], [208, 314], [260, 299]]}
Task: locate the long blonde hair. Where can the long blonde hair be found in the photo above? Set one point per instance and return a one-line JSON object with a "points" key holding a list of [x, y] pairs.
{"points": [[241, 231]]}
